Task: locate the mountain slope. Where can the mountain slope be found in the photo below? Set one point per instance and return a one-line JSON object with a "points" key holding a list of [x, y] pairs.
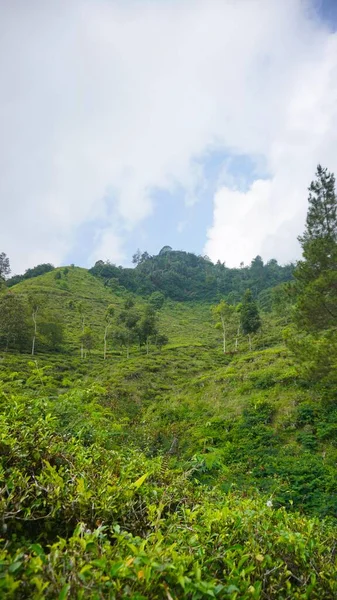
{"points": [[172, 474]]}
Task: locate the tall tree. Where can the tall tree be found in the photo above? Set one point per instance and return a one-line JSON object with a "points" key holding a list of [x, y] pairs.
{"points": [[36, 302], [147, 327], [87, 341], [81, 312], [314, 341], [108, 321], [51, 329], [249, 316], [13, 321], [128, 322], [223, 313], [4, 266], [316, 274]]}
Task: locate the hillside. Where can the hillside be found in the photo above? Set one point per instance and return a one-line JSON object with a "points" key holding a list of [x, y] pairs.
{"points": [[64, 289], [163, 469]]}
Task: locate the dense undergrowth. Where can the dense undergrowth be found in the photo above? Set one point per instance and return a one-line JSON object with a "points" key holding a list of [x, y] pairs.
{"points": [[82, 519]]}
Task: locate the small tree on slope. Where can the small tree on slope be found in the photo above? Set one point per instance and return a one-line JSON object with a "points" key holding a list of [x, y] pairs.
{"points": [[223, 313], [249, 316]]}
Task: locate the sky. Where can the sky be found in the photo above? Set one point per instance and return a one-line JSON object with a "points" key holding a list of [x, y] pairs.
{"points": [[132, 124]]}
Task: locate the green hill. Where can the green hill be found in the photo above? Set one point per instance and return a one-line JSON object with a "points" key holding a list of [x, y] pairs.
{"points": [[181, 472]]}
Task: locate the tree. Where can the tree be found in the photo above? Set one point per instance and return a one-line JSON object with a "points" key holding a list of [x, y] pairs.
{"points": [[108, 321], [157, 300], [128, 321], [321, 221], [223, 313], [4, 266], [161, 340], [316, 274], [249, 316], [140, 257], [13, 321], [36, 302], [147, 327], [80, 309], [314, 338], [87, 341], [165, 250], [52, 332], [136, 257]]}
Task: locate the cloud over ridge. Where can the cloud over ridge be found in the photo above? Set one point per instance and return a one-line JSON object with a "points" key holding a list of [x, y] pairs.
{"points": [[104, 102]]}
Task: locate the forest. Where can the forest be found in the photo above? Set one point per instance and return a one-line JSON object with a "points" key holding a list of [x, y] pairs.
{"points": [[169, 430]]}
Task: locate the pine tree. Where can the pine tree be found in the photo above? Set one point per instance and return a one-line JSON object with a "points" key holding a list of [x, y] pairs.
{"points": [[249, 316], [322, 213], [316, 274]]}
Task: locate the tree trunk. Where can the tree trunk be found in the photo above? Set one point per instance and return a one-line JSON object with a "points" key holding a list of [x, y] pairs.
{"points": [[82, 347], [105, 337], [224, 334], [34, 313], [237, 338]]}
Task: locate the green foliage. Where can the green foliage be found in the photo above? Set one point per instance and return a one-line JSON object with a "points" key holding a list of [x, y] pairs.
{"points": [[314, 340], [249, 314], [87, 339], [30, 273], [180, 472], [157, 300], [83, 520], [14, 329], [5, 268], [226, 317], [316, 274], [184, 276]]}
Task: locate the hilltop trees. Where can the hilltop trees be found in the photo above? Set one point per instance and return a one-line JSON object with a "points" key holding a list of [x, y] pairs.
{"points": [[184, 276], [30, 273]]}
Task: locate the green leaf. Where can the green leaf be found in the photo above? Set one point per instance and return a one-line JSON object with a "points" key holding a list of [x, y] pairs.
{"points": [[140, 481], [64, 592]]}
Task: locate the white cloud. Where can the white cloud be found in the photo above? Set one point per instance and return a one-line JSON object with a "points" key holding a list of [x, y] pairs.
{"points": [[105, 97], [267, 218], [109, 245]]}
